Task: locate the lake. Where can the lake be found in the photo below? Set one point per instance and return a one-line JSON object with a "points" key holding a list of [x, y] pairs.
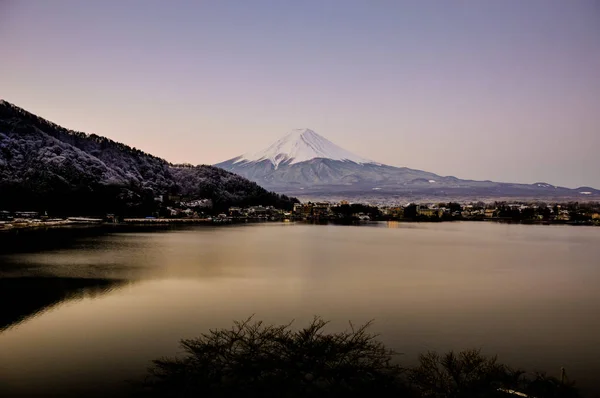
{"points": [[83, 310]]}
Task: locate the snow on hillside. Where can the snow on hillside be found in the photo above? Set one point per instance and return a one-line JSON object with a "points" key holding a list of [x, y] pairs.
{"points": [[301, 145], [44, 166]]}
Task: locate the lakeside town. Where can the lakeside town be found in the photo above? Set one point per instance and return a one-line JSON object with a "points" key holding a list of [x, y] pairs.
{"points": [[201, 211]]}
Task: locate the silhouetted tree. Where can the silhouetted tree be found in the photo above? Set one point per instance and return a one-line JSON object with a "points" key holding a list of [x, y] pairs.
{"points": [[410, 211], [254, 360], [464, 374]]}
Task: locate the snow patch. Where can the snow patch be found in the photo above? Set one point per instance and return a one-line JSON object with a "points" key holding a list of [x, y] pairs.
{"points": [[301, 145], [431, 181], [585, 193], [376, 189]]}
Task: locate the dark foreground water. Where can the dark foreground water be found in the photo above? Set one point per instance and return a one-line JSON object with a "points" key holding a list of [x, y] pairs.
{"points": [[82, 310]]}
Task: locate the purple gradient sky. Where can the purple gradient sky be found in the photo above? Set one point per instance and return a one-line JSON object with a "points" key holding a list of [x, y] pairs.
{"points": [[506, 90]]}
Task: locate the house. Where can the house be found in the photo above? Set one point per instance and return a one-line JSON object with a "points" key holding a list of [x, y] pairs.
{"points": [[5, 216], [174, 198], [427, 212], [172, 212], [396, 212], [362, 216], [489, 213], [303, 210], [257, 211], [207, 203], [563, 215], [189, 213], [297, 208], [235, 212], [321, 209], [273, 212], [27, 214]]}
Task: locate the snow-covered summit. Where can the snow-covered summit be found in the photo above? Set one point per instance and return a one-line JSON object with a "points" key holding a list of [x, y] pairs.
{"points": [[301, 145]]}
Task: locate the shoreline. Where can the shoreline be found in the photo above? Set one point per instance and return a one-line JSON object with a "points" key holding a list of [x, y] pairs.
{"points": [[7, 226]]}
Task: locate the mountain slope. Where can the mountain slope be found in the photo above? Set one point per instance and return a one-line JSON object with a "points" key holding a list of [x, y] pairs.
{"points": [[44, 166], [304, 163]]}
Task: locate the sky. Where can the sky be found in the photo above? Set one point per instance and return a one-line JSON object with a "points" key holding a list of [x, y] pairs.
{"points": [[504, 90]]}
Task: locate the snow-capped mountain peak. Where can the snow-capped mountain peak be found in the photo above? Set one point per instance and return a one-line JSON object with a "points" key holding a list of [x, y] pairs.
{"points": [[307, 164], [300, 145]]}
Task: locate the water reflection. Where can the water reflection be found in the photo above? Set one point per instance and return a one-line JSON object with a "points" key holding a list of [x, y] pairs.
{"points": [[23, 297], [44, 239], [526, 293]]}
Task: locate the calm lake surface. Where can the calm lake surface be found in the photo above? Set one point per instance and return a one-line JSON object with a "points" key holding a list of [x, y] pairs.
{"points": [[82, 310]]}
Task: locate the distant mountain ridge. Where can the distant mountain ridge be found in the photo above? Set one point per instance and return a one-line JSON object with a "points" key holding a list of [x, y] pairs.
{"points": [[306, 164], [44, 166]]}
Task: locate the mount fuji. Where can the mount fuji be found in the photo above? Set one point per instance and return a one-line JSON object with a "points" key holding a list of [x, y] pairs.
{"points": [[308, 165], [299, 146]]}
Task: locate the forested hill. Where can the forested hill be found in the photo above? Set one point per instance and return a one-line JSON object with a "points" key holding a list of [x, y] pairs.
{"points": [[46, 167]]}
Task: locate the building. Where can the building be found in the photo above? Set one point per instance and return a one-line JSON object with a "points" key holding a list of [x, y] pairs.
{"points": [[206, 203], [189, 213], [321, 209], [171, 212], [563, 215], [5, 216], [489, 213], [427, 212], [174, 198], [27, 214], [303, 209], [235, 212], [395, 212], [257, 211], [362, 216], [274, 212]]}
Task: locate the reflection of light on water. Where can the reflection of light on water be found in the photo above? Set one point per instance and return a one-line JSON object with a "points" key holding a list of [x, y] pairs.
{"points": [[393, 224]]}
